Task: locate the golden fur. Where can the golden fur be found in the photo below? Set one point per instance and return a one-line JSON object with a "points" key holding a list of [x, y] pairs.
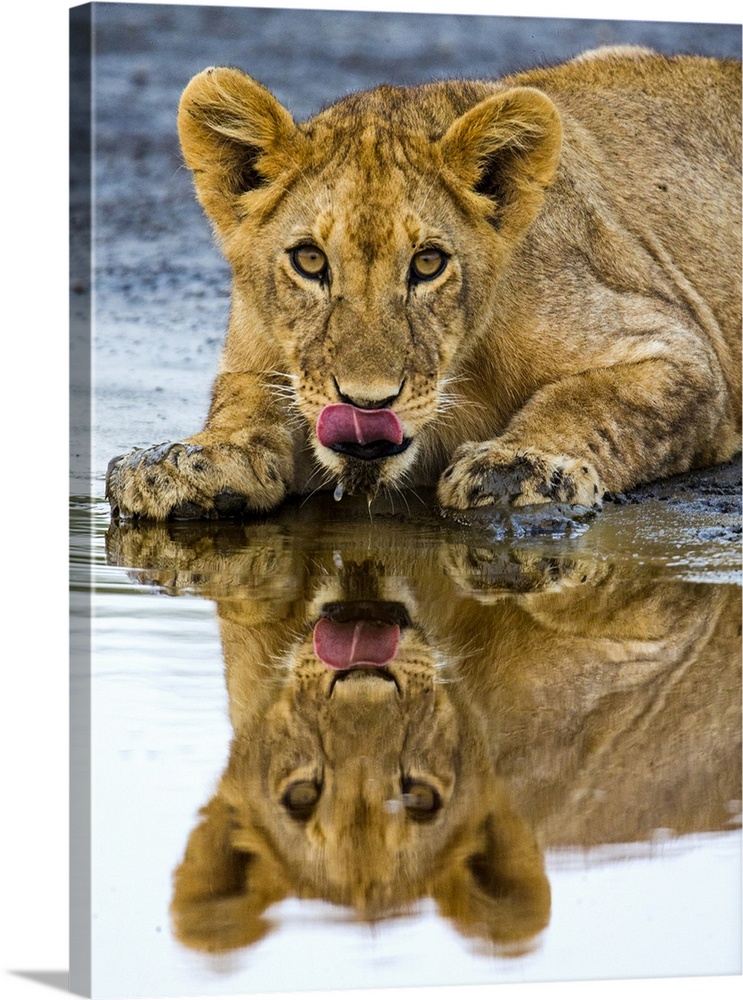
{"points": [[583, 334], [553, 702]]}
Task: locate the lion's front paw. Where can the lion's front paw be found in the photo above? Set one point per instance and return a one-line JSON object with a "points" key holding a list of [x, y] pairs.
{"points": [[488, 473], [182, 480]]}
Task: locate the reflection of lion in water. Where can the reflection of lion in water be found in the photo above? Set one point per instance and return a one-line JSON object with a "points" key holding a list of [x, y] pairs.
{"points": [[532, 703], [365, 788]]}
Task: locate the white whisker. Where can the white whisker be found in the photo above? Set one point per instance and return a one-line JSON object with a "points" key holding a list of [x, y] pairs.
{"points": [[325, 482], [286, 375], [405, 475], [401, 492]]}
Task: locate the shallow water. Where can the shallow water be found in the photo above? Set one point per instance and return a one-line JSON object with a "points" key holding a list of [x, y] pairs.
{"points": [[594, 833]]}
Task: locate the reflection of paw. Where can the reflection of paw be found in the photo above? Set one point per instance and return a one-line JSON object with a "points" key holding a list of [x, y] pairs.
{"points": [[189, 481], [491, 573], [482, 474], [226, 558]]}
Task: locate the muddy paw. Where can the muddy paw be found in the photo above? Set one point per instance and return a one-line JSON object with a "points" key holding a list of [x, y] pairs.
{"points": [[191, 481], [488, 473]]}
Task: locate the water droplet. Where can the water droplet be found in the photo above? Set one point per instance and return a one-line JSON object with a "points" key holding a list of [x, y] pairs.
{"points": [[338, 491]]}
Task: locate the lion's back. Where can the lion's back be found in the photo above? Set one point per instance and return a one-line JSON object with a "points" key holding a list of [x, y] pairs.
{"points": [[653, 148]]}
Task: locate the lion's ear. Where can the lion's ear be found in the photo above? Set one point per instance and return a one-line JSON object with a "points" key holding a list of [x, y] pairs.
{"points": [[220, 891], [495, 887], [235, 137], [507, 148]]}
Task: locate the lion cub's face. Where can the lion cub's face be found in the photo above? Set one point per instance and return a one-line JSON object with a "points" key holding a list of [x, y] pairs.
{"points": [[364, 245], [368, 274], [365, 260]]}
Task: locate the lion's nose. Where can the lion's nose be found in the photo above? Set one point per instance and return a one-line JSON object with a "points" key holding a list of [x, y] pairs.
{"points": [[368, 397]]}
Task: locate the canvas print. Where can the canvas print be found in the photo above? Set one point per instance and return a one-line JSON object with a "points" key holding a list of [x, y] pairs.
{"points": [[406, 499]]}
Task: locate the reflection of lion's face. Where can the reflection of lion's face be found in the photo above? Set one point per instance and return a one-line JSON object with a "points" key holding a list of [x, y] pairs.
{"points": [[370, 787], [356, 776]]}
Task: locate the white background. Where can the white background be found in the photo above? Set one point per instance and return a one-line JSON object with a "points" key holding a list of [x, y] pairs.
{"points": [[33, 727]]}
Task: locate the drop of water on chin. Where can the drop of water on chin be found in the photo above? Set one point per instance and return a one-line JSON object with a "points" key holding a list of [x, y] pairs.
{"points": [[338, 491]]}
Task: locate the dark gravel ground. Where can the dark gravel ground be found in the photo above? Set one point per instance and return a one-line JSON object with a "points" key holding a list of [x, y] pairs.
{"points": [[161, 288]]}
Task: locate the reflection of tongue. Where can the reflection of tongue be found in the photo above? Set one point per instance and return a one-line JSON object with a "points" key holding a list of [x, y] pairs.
{"points": [[343, 645], [340, 423]]}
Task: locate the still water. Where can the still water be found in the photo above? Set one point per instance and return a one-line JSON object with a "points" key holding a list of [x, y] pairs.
{"points": [[534, 775]]}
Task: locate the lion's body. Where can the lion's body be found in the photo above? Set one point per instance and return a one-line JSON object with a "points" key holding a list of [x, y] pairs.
{"points": [[582, 335]]}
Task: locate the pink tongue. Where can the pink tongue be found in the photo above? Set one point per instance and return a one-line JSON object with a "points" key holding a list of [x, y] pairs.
{"points": [[341, 423], [343, 645]]}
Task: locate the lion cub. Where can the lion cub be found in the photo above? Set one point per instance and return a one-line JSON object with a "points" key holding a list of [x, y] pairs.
{"points": [[522, 290]]}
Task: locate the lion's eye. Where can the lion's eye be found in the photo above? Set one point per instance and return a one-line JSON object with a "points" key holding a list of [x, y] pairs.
{"points": [[309, 260], [420, 799], [428, 264], [300, 799]]}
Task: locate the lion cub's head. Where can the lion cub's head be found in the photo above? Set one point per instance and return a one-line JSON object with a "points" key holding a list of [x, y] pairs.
{"points": [[358, 777], [365, 244]]}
